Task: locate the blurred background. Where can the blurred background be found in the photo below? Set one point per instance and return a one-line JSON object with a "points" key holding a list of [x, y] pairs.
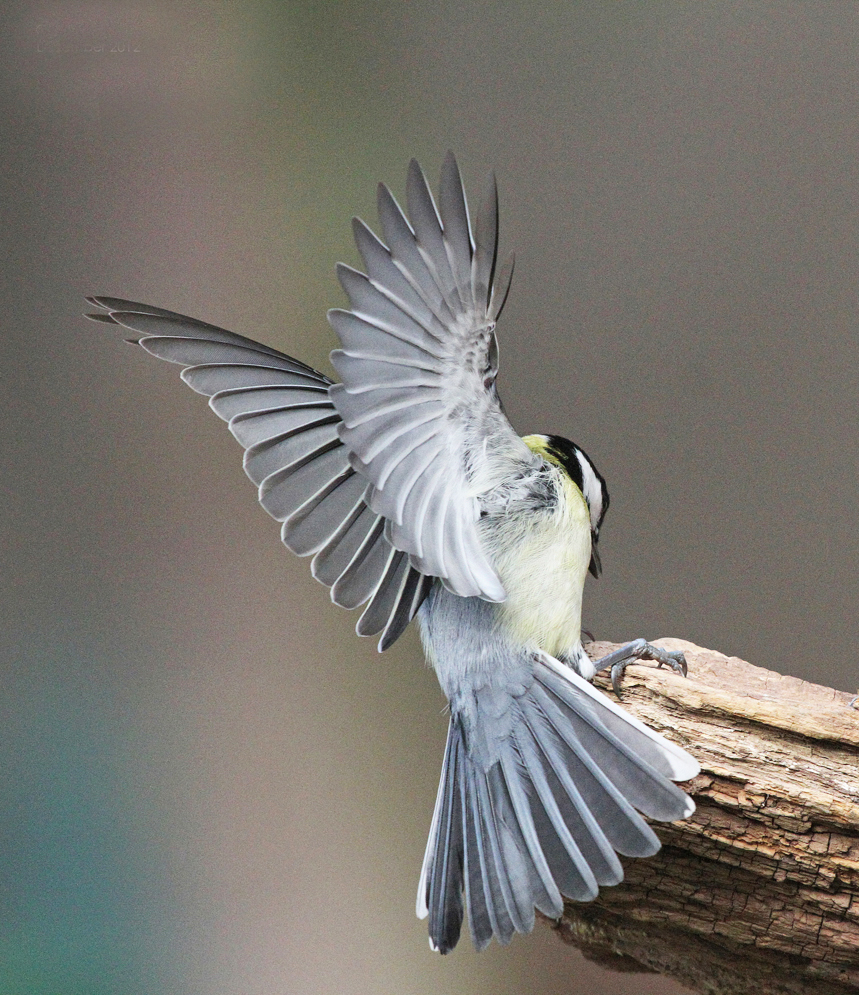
{"points": [[207, 782]]}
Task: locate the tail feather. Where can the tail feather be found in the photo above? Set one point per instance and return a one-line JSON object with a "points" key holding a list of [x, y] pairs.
{"points": [[547, 897], [444, 884], [617, 819], [499, 894], [671, 760], [582, 842], [638, 781], [482, 921], [507, 866], [545, 816], [579, 880]]}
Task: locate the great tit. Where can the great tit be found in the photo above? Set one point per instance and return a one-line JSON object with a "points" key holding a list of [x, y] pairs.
{"points": [[413, 493]]}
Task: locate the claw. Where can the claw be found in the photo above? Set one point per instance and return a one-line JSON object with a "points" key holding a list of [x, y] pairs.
{"points": [[676, 660], [639, 649], [617, 672]]}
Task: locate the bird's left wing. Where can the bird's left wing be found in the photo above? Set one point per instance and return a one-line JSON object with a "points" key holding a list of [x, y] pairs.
{"points": [[420, 412], [279, 410]]}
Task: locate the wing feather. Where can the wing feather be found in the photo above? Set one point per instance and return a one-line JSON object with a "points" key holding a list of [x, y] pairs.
{"points": [[214, 378], [429, 236], [243, 400], [397, 318], [374, 338], [392, 460], [417, 366], [279, 409], [364, 573], [386, 597], [386, 276], [309, 528], [457, 228], [407, 257]]}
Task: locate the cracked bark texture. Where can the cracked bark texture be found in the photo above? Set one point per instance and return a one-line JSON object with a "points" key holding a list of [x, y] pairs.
{"points": [[759, 890]]}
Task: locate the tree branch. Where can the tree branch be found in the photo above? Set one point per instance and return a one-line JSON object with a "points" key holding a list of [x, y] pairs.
{"points": [[759, 890]]}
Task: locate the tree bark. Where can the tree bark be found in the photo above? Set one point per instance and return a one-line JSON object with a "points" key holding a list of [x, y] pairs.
{"points": [[759, 890]]}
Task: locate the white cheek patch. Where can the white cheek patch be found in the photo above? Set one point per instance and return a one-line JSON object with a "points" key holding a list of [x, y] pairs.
{"points": [[591, 488]]}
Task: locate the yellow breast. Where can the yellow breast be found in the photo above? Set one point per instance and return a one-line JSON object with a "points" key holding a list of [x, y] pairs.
{"points": [[543, 568]]}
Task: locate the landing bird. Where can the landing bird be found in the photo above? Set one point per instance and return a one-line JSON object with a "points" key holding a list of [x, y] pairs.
{"points": [[415, 496]]}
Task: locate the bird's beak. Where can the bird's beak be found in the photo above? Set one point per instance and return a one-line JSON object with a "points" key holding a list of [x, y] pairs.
{"points": [[596, 565]]}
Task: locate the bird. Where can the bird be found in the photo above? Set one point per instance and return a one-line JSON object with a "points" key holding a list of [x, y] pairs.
{"points": [[417, 499]]}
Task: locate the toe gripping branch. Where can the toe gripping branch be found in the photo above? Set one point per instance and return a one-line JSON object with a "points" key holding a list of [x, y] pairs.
{"points": [[639, 649]]}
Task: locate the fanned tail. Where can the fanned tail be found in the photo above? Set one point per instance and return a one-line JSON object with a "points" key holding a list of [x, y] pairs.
{"points": [[547, 818]]}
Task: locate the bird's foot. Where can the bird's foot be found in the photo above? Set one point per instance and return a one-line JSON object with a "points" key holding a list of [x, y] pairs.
{"points": [[640, 649]]}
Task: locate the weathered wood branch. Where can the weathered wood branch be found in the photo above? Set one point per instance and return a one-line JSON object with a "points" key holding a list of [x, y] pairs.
{"points": [[759, 890]]}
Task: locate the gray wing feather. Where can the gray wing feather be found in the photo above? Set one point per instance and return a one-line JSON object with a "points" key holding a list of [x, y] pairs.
{"points": [[191, 351], [355, 410], [281, 451], [372, 340], [362, 374], [384, 274], [335, 556], [279, 409], [501, 288], [386, 597], [244, 400], [316, 424], [457, 228], [283, 492], [429, 236], [213, 378], [411, 323], [317, 520], [387, 442], [407, 257], [417, 369], [365, 571], [486, 248], [415, 589]]}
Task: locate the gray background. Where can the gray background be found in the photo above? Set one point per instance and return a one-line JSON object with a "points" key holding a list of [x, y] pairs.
{"points": [[209, 784]]}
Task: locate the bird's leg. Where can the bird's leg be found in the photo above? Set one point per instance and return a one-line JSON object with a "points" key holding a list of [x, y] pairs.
{"points": [[639, 649]]}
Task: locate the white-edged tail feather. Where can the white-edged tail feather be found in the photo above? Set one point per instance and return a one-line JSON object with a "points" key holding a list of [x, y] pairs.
{"points": [[546, 818]]}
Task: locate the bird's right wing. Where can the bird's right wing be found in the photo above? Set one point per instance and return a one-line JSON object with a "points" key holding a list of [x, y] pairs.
{"points": [[421, 416], [278, 408]]}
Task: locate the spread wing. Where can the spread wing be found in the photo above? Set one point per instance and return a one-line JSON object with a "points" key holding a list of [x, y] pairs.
{"points": [[279, 410], [380, 477], [421, 417]]}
